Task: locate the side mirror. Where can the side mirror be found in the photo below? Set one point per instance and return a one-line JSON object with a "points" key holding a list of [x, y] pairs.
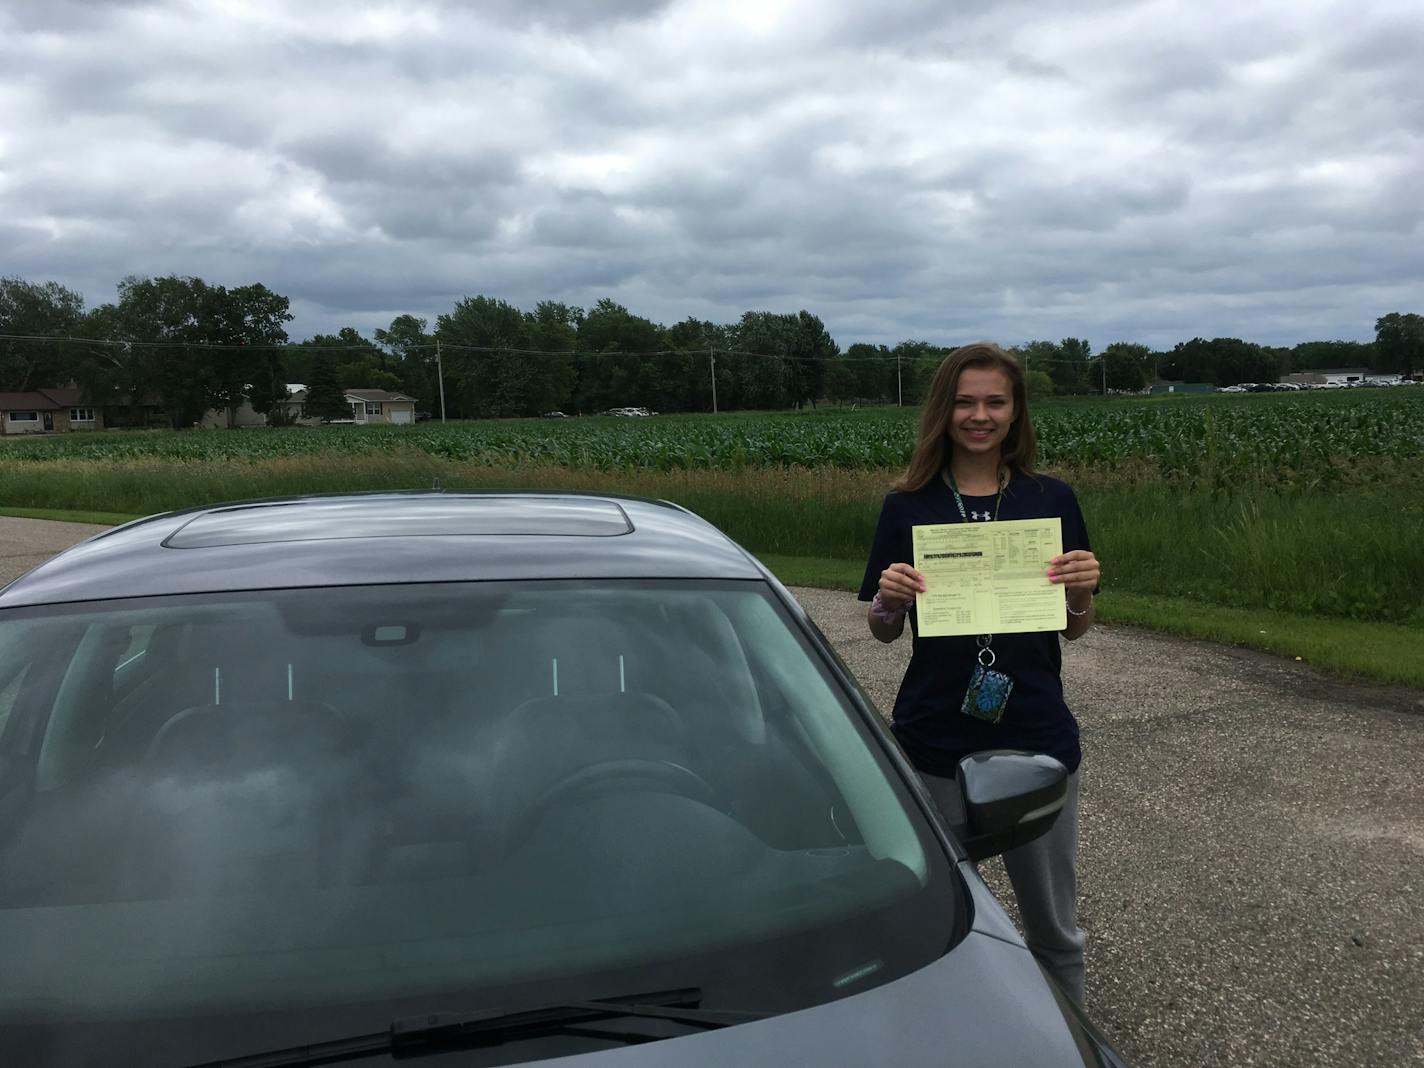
{"points": [[1010, 797]]}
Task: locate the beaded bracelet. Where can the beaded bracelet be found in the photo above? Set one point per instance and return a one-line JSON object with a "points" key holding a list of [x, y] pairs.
{"points": [[1075, 612]]}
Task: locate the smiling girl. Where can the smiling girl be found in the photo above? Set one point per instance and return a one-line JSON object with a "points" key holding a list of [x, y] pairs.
{"points": [[973, 463]]}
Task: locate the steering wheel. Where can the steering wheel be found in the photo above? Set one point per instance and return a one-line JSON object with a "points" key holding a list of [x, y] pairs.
{"points": [[662, 776]]}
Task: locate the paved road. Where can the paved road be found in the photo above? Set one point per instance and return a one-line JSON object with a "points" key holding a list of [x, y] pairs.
{"points": [[1252, 842]]}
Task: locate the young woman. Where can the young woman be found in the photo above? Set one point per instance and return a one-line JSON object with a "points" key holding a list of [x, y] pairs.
{"points": [[973, 463]]}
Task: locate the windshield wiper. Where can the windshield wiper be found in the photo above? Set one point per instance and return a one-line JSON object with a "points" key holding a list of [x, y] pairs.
{"points": [[440, 1032]]}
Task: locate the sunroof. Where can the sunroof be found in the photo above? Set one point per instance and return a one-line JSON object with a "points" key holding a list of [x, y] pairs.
{"points": [[401, 517]]}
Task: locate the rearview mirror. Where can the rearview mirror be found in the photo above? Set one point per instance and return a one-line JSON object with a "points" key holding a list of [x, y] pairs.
{"points": [[1010, 797]]}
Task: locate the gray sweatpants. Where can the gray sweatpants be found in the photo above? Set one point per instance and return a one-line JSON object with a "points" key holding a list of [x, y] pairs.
{"points": [[1045, 879]]}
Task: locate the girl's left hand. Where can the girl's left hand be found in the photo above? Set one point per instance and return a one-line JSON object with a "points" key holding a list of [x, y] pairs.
{"points": [[1076, 570]]}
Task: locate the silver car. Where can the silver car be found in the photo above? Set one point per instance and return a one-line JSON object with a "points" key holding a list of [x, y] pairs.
{"points": [[491, 778]]}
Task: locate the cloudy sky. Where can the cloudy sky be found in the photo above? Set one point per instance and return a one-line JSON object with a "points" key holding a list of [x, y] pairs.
{"points": [[939, 169]]}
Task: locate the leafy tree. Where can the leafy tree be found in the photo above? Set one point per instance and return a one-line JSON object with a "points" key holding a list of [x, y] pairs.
{"points": [[406, 338], [252, 318], [764, 339], [874, 370], [1222, 361], [841, 382], [552, 327], [414, 348], [1038, 355], [1399, 342], [803, 345], [360, 363], [1317, 355], [811, 349], [486, 376], [267, 385], [616, 366], [1070, 371], [106, 373], [38, 309], [165, 324], [1038, 385], [690, 335], [1127, 365], [189, 345], [915, 363], [700, 340]]}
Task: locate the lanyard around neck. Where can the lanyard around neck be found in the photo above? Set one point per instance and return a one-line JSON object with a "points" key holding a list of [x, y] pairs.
{"points": [[983, 639], [954, 489]]}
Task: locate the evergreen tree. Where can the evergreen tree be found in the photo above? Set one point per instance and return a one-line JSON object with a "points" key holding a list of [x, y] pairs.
{"points": [[325, 395]]}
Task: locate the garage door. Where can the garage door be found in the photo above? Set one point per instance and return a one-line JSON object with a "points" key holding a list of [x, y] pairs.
{"points": [[399, 416]]}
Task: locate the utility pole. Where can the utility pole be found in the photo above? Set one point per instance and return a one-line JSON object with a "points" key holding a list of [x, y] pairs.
{"points": [[440, 377], [712, 370], [899, 384], [1104, 360]]}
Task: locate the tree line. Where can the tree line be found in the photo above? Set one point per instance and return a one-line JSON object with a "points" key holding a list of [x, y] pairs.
{"points": [[191, 347]]}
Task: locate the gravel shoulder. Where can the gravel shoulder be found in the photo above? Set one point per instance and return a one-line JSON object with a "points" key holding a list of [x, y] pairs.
{"points": [[1252, 842], [25, 543], [1252, 850]]}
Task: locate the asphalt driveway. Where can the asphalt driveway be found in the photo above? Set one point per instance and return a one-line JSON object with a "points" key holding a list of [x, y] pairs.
{"points": [[1252, 842]]}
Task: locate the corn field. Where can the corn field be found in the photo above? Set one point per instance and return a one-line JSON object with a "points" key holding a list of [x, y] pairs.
{"points": [[1200, 440]]}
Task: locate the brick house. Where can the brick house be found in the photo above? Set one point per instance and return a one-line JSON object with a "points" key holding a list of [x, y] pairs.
{"points": [[55, 410]]}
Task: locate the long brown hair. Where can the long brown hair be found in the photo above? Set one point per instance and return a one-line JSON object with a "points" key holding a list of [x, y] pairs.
{"points": [[932, 447]]}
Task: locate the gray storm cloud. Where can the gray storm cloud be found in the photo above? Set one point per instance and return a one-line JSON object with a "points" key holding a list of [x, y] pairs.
{"points": [[1126, 171]]}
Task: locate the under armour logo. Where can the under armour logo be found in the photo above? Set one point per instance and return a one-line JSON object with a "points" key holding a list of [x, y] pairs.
{"points": [[984, 516]]}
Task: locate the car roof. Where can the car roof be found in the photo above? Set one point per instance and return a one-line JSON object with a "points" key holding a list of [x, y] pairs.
{"points": [[362, 539]]}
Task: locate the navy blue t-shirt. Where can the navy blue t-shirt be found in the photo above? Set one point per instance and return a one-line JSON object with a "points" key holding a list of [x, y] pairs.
{"points": [[927, 721]]}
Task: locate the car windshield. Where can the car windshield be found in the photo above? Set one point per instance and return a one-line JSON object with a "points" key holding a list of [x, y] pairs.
{"points": [[232, 822]]}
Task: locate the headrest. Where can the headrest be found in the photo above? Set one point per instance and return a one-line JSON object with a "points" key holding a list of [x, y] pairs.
{"points": [[242, 736]]}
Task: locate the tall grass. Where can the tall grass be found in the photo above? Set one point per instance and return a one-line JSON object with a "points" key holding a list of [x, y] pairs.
{"points": [[1342, 554], [1345, 552]]}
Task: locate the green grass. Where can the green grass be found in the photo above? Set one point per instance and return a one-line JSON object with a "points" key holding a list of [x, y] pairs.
{"points": [[1343, 554], [1375, 651], [1340, 553], [816, 571]]}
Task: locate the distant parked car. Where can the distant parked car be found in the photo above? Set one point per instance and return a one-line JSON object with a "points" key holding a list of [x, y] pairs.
{"points": [[629, 412], [553, 415], [421, 417]]}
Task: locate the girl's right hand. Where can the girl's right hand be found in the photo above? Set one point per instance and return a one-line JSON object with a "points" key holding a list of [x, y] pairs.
{"points": [[899, 583]]}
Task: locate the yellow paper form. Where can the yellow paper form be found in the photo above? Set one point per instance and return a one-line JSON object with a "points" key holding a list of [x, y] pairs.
{"points": [[989, 578]]}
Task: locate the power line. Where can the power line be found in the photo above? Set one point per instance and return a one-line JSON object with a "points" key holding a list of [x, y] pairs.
{"points": [[433, 346]]}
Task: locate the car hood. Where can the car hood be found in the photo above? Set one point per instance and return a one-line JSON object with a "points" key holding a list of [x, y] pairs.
{"points": [[985, 1004]]}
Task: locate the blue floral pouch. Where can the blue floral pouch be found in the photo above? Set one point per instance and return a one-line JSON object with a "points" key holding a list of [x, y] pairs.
{"points": [[988, 694]]}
